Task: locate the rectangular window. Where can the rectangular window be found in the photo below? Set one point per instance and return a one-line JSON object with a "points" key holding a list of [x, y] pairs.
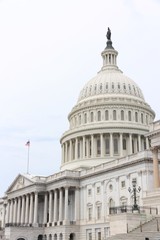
{"points": [[99, 235], [115, 146], [98, 190], [123, 184], [90, 236], [98, 146], [98, 212], [107, 146], [90, 213], [89, 192]]}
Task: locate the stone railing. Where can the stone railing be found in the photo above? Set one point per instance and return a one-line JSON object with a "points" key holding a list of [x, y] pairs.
{"points": [[129, 209]]}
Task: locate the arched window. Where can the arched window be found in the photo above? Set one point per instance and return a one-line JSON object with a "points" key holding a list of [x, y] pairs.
{"points": [[85, 118], [122, 115], [114, 115], [147, 119], [99, 116], [136, 117], [106, 115], [92, 117], [55, 236], [61, 236], [79, 119], [129, 116], [141, 117], [50, 237]]}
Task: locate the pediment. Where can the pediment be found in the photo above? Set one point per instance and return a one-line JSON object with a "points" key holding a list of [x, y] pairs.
{"points": [[21, 181]]}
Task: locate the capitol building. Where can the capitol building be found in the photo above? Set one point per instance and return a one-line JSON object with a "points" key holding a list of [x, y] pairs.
{"points": [[108, 183]]}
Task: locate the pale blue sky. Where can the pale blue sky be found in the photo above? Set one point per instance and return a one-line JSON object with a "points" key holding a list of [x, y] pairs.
{"points": [[48, 51]]}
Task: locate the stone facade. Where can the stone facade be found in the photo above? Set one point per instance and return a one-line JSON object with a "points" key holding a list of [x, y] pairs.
{"points": [[106, 147]]}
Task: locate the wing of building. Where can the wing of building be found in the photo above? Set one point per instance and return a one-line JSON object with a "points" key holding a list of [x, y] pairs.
{"points": [[109, 178]]}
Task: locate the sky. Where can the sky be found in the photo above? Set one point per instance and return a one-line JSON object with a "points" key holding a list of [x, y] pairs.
{"points": [[48, 51]]}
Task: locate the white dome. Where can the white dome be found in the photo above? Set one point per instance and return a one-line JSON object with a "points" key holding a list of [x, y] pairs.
{"points": [[110, 82]]}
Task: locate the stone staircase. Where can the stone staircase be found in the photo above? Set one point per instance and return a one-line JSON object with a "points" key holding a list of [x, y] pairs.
{"points": [[150, 230]]}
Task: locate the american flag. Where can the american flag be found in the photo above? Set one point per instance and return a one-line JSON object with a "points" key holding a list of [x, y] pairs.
{"points": [[27, 143]]}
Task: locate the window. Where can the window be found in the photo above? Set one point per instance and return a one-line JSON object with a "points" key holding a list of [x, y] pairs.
{"points": [[147, 119], [129, 116], [123, 184], [141, 117], [89, 192], [89, 213], [124, 144], [90, 236], [114, 115], [110, 187], [98, 146], [115, 143], [112, 85], [85, 118], [106, 115], [122, 115], [78, 149], [107, 86], [98, 212], [79, 119], [99, 116], [99, 235], [107, 146], [92, 117], [136, 117], [98, 190], [118, 85]]}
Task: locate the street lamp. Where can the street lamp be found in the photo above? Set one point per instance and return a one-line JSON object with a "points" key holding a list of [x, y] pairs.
{"points": [[134, 190]]}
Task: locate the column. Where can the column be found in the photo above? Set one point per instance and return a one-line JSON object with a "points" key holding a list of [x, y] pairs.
{"points": [[70, 150], [15, 211], [19, 210], [147, 143], [111, 144], [31, 209], [55, 204], [66, 152], [77, 204], [62, 146], [4, 216], [92, 145], [121, 145], [130, 144], [60, 204], [11, 212], [50, 206], [45, 208], [27, 209], [102, 145], [8, 211], [35, 207], [66, 204], [83, 147], [76, 148], [23, 209], [139, 142], [155, 168], [87, 146]]}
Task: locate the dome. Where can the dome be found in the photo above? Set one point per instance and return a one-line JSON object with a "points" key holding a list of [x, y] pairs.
{"points": [[110, 82]]}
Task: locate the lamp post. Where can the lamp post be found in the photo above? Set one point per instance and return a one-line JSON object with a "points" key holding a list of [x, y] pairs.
{"points": [[134, 190]]}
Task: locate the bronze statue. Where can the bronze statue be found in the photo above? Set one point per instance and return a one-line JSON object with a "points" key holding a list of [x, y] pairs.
{"points": [[108, 34]]}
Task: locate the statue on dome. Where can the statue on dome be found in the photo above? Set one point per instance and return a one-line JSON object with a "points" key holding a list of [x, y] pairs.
{"points": [[108, 34]]}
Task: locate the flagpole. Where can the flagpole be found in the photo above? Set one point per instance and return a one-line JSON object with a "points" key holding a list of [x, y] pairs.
{"points": [[28, 161], [28, 145]]}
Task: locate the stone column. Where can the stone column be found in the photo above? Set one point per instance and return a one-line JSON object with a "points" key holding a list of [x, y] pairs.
{"points": [[70, 150], [139, 142], [92, 146], [155, 168], [8, 211], [83, 147], [19, 210], [23, 209], [66, 153], [76, 148], [4, 215], [66, 205], [130, 144], [36, 207], [121, 145], [77, 204], [45, 208], [55, 204], [27, 209], [147, 143], [111, 144], [102, 145], [11, 212], [50, 206], [31, 209], [62, 146], [15, 211], [60, 204]]}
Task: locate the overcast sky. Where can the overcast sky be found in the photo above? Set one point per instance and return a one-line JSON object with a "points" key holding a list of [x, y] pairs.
{"points": [[48, 51]]}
